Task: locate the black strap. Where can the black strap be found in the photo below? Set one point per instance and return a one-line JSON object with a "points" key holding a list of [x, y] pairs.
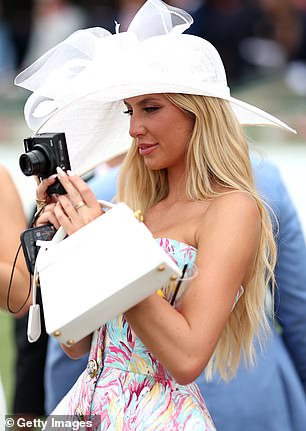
{"points": [[10, 286], [179, 284]]}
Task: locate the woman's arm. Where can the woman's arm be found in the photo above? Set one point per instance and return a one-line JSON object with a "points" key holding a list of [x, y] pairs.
{"points": [[184, 339], [78, 349], [12, 223]]}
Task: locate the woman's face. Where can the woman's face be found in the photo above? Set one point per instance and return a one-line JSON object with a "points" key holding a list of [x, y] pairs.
{"points": [[162, 131]]}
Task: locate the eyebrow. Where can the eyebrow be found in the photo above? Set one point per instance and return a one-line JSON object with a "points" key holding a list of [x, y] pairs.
{"points": [[144, 101]]}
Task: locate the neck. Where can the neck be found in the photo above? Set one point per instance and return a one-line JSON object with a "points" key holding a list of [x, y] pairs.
{"points": [[177, 185]]}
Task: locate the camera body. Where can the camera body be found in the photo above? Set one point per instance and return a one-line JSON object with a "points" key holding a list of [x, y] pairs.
{"points": [[43, 154]]}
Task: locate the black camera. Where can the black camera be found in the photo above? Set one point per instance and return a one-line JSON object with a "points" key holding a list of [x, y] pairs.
{"points": [[43, 154]]}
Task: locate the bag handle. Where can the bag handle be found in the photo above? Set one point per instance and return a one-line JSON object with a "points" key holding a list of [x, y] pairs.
{"points": [[106, 204], [60, 234]]}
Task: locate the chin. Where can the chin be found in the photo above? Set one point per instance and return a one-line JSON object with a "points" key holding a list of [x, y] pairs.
{"points": [[155, 165]]}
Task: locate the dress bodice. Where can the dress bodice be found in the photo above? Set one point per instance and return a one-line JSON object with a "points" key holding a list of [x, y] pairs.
{"points": [[118, 346]]}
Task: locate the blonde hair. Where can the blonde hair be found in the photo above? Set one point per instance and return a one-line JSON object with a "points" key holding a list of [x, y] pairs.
{"points": [[218, 154]]}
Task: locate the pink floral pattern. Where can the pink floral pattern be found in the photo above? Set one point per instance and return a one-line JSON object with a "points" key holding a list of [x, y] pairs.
{"points": [[131, 390]]}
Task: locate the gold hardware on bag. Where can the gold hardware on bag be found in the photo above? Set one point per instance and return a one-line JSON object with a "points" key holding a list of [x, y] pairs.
{"points": [[70, 342], [37, 281], [139, 215], [173, 277], [161, 268], [57, 333]]}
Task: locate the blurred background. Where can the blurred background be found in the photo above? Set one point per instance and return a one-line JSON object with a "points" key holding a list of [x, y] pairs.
{"points": [[262, 44]]}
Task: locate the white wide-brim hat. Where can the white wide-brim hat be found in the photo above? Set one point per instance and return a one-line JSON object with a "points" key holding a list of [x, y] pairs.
{"points": [[79, 85]]}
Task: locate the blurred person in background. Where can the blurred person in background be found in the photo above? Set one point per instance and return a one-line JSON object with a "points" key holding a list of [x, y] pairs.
{"points": [[7, 52], [225, 23], [18, 15], [255, 38], [12, 223], [52, 22], [278, 37], [279, 21]]}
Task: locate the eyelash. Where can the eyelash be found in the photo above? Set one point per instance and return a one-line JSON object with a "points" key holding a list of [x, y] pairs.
{"points": [[149, 109], [128, 111]]}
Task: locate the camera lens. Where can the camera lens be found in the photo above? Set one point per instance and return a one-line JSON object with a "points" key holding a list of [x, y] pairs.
{"points": [[33, 163]]}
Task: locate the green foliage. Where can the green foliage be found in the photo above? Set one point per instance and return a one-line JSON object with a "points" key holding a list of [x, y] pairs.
{"points": [[7, 356]]}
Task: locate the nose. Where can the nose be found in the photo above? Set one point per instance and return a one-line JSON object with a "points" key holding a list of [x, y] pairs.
{"points": [[137, 127]]}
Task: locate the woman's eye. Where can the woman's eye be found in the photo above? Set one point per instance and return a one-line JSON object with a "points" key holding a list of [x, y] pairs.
{"points": [[151, 109], [148, 109], [128, 112]]}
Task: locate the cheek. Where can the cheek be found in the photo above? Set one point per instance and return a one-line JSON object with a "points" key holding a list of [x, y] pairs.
{"points": [[183, 133], [185, 123]]}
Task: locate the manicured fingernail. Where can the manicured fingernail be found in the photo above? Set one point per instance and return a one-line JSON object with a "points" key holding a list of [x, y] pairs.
{"points": [[70, 173], [60, 172]]}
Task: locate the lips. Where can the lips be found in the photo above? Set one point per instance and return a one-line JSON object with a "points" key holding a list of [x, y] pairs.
{"points": [[146, 149]]}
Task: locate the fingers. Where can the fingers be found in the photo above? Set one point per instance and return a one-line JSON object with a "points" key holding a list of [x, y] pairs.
{"points": [[79, 206], [72, 210], [48, 216], [77, 189], [42, 197], [68, 216], [87, 194]]}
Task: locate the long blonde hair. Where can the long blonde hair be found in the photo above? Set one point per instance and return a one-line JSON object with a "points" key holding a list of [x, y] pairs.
{"points": [[218, 154]]}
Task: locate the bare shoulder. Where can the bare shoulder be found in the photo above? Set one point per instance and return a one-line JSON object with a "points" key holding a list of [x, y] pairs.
{"points": [[235, 203], [236, 211]]}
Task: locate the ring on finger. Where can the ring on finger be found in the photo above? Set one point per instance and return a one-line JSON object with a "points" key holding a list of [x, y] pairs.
{"points": [[41, 203], [79, 205]]}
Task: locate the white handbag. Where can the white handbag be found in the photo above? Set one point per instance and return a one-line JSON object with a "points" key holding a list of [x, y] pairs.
{"points": [[98, 272]]}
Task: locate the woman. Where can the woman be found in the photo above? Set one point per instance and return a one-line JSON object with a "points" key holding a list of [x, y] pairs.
{"points": [[188, 170], [13, 222]]}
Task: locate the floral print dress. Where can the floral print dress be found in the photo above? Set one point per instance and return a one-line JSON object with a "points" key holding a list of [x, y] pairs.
{"points": [[125, 387]]}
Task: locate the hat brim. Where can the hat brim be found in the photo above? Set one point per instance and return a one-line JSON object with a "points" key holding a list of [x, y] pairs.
{"points": [[97, 130]]}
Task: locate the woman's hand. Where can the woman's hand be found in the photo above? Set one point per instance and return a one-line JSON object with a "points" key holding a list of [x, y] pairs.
{"points": [[46, 203], [79, 206], [42, 197]]}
